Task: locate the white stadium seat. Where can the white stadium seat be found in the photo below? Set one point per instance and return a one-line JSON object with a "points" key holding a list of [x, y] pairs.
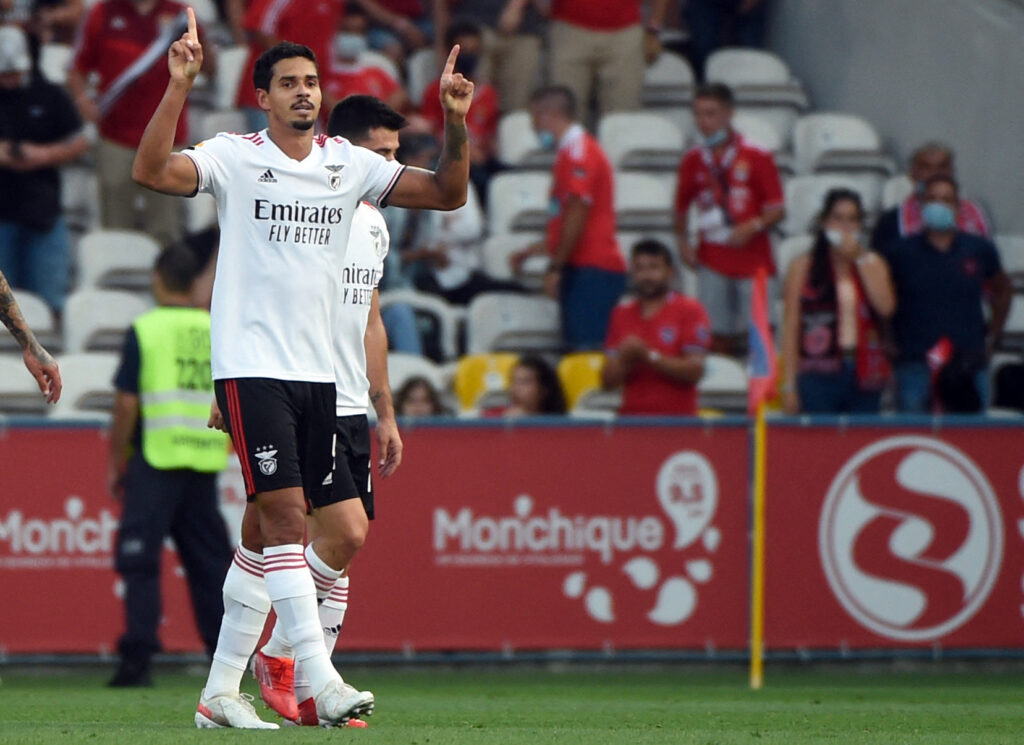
{"points": [[448, 318], [19, 393], [403, 366], [80, 196], [641, 140], [98, 319], [1013, 331], [668, 81], [805, 196], [838, 142], [230, 70], [518, 201], [724, 385], [498, 248], [1011, 253], [116, 259], [788, 249], [895, 190], [738, 67], [200, 213], [88, 382], [508, 321], [209, 124], [39, 318], [643, 202], [759, 130], [420, 69], [518, 144]]}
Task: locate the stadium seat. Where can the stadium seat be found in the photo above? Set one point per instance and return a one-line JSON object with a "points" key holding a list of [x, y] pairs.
{"points": [[19, 393], [788, 249], [518, 144], [96, 320], [230, 69], [116, 259], [580, 375], [641, 140], [420, 69], [677, 116], [724, 385], [403, 366], [438, 321], [88, 381], [498, 248], [895, 190], [1013, 331], [644, 202], [518, 201], [806, 194], [54, 60], [760, 81], [370, 58], [209, 124], [200, 213], [480, 375], [206, 13], [502, 321], [80, 196], [759, 131], [668, 81], [39, 318], [1011, 253], [830, 142]]}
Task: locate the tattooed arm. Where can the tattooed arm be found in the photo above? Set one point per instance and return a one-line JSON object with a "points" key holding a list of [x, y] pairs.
{"points": [[445, 188], [38, 361], [376, 344]]}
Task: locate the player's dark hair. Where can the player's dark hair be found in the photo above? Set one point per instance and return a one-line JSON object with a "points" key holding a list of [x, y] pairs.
{"points": [[558, 96], [820, 275], [942, 178], [552, 398], [716, 91], [263, 70], [460, 27], [652, 247], [354, 117], [177, 266]]}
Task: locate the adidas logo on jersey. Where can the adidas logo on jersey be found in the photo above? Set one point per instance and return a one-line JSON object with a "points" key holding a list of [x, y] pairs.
{"points": [[267, 177]]}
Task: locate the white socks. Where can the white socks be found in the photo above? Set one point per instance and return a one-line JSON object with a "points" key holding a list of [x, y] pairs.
{"points": [[332, 615], [246, 605], [293, 594], [324, 578]]}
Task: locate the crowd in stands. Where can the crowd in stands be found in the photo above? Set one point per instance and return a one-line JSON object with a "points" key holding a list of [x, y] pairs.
{"points": [[623, 200]]}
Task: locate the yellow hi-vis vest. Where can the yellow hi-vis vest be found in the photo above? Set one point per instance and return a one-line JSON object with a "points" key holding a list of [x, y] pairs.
{"points": [[176, 390]]}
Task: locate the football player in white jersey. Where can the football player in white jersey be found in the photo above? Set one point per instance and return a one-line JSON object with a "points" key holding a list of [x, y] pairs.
{"points": [[285, 202], [339, 529]]}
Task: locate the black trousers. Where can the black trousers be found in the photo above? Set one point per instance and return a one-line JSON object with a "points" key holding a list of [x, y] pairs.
{"points": [[181, 504]]}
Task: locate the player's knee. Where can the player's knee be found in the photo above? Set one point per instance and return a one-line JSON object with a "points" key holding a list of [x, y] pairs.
{"points": [[282, 524]]}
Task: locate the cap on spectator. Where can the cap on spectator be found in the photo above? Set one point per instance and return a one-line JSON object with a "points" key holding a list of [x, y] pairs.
{"points": [[13, 50]]}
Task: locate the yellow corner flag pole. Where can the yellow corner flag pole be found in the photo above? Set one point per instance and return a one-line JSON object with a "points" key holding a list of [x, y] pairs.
{"points": [[757, 558]]}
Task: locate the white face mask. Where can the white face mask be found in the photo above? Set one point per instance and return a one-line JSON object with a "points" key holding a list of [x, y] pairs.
{"points": [[349, 46], [835, 237]]}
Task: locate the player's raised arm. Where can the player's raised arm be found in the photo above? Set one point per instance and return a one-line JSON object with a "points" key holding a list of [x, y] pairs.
{"points": [[445, 188], [156, 166]]}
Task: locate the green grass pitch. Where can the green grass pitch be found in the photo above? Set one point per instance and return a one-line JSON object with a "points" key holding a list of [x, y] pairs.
{"points": [[435, 706]]}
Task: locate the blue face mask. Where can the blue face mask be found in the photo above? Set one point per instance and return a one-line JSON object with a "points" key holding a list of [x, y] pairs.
{"points": [[547, 139], [939, 216], [716, 138]]}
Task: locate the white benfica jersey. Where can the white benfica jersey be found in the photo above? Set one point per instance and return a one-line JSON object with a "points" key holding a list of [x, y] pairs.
{"points": [[284, 231], [364, 264]]}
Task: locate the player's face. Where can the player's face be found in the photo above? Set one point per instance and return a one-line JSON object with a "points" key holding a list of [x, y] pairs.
{"points": [[524, 389], [381, 141], [294, 95], [651, 276], [710, 115]]}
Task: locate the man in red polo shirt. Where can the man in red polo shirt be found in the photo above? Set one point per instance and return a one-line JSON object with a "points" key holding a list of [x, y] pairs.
{"points": [[601, 46], [657, 341], [587, 273], [738, 196], [267, 22], [125, 43]]}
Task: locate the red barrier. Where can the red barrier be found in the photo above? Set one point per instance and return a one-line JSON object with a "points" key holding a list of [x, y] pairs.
{"points": [[879, 538]]}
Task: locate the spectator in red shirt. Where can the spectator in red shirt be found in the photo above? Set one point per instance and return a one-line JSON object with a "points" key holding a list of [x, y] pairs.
{"points": [[482, 120], [344, 76], [267, 22], [125, 43], [657, 341], [600, 47], [587, 272], [738, 196]]}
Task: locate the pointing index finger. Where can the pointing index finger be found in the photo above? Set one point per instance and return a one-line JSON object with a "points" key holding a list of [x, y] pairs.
{"points": [[191, 23], [449, 65]]}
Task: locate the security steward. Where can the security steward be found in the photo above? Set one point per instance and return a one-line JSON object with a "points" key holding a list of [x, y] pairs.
{"points": [[163, 465]]}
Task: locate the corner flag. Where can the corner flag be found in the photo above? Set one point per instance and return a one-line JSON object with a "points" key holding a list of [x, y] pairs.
{"points": [[761, 366]]}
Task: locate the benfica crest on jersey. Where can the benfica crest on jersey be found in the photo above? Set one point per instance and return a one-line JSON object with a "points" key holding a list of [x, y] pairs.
{"points": [[334, 177]]}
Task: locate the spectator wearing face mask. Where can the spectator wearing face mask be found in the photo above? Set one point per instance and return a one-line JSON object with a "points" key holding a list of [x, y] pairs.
{"points": [[942, 276], [587, 273], [482, 120], [836, 299], [930, 159], [738, 195]]}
